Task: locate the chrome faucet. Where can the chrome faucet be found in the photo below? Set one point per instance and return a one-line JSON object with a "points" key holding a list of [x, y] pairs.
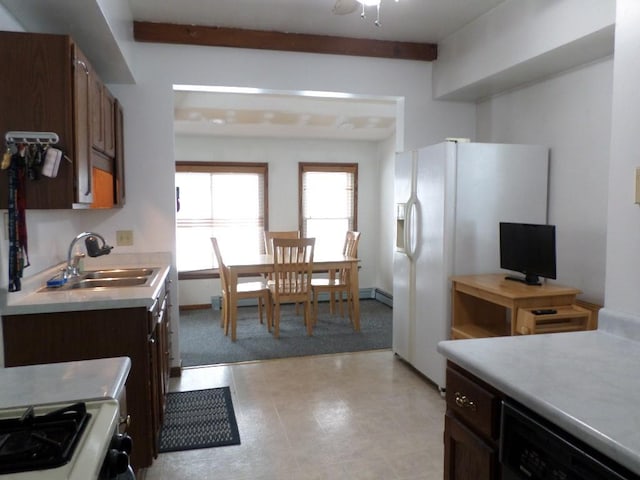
{"points": [[93, 250]]}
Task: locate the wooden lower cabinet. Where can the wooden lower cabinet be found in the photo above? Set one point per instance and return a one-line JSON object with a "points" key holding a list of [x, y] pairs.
{"points": [[82, 335], [471, 428], [467, 456]]}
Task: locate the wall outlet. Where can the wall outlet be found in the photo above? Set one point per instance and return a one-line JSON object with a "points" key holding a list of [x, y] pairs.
{"points": [[124, 238]]}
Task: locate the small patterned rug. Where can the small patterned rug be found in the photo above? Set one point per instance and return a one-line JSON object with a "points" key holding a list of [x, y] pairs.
{"points": [[199, 419]]}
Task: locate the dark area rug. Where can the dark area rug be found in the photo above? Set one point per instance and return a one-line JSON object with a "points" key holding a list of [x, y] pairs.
{"points": [[202, 341], [199, 419]]}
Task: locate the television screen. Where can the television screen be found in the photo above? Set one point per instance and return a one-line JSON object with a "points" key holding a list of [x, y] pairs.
{"points": [[529, 249]]}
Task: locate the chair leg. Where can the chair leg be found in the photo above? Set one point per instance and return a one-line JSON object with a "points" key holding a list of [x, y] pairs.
{"points": [[269, 311], [332, 300], [307, 317], [227, 318], [260, 300], [276, 321], [315, 306], [223, 307]]}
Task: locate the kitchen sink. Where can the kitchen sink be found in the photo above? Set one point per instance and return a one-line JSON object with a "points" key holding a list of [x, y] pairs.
{"points": [[107, 278], [106, 282], [118, 273]]}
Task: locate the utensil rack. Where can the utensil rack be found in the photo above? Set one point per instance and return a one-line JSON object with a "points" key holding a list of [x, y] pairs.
{"points": [[40, 138]]}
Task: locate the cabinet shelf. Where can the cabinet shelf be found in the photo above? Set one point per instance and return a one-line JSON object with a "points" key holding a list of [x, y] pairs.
{"points": [[569, 318]]}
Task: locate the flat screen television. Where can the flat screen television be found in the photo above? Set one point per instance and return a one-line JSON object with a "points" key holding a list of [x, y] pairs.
{"points": [[529, 249]]}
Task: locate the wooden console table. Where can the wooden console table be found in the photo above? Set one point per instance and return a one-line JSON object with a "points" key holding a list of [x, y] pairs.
{"points": [[488, 305]]}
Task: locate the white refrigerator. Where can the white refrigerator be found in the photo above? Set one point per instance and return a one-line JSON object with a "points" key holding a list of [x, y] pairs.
{"points": [[450, 198]]}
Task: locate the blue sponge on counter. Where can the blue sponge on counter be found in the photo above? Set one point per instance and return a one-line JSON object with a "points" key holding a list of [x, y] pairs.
{"points": [[56, 281]]}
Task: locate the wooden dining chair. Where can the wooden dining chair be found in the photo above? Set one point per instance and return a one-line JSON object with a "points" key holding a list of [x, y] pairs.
{"points": [[338, 283], [269, 236], [258, 290], [268, 247], [292, 270]]}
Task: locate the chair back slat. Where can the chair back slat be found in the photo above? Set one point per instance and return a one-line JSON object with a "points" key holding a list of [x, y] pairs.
{"points": [[293, 265], [350, 249]]}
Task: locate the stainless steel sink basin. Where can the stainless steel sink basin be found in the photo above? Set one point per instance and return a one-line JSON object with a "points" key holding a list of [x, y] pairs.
{"points": [[106, 282], [107, 278], [118, 273]]}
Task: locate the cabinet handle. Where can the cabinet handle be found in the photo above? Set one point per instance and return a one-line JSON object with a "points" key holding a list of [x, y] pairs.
{"points": [[463, 402], [125, 421], [83, 65]]}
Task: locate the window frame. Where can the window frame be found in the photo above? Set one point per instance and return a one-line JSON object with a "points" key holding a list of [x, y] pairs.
{"points": [[224, 167], [305, 167]]}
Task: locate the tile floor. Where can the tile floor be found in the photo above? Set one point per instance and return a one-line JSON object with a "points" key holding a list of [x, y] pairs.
{"points": [[349, 416]]}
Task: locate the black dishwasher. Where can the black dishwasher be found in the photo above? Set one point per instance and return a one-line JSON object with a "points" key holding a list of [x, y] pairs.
{"points": [[534, 449]]}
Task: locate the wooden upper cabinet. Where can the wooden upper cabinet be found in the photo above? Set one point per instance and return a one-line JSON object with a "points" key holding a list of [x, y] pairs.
{"points": [[97, 114], [102, 117], [50, 86], [109, 115], [82, 84], [118, 164]]}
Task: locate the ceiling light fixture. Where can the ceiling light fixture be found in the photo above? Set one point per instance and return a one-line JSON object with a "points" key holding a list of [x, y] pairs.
{"points": [[371, 3]]}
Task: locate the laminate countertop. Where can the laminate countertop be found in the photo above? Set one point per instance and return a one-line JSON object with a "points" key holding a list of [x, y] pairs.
{"points": [[587, 383], [31, 300], [63, 382]]}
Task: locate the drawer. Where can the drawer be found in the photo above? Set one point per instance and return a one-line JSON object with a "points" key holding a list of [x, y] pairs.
{"points": [[477, 405]]}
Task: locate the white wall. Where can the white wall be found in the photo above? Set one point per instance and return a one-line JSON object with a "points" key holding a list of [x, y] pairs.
{"points": [[522, 41], [283, 156], [571, 114], [623, 228], [386, 217]]}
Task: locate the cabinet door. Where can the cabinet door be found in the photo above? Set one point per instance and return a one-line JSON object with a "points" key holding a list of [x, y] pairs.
{"points": [[38, 95], [467, 456], [97, 115], [118, 164], [154, 390], [82, 94], [109, 122]]}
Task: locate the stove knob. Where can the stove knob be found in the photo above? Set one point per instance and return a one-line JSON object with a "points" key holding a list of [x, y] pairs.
{"points": [[122, 442], [117, 462]]}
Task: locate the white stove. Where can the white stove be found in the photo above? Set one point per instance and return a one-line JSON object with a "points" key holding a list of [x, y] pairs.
{"points": [[94, 443]]}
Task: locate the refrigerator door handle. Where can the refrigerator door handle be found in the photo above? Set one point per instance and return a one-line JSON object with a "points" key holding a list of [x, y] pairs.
{"points": [[410, 215]]}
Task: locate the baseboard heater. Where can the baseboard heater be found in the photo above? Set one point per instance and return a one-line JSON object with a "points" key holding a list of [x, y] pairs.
{"points": [[365, 294]]}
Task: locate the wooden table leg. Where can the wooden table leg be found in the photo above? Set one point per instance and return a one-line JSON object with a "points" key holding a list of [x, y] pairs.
{"points": [[233, 302], [355, 294]]}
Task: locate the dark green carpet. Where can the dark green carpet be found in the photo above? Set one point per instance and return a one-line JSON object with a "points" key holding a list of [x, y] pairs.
{"points": [[202, 341], [199, 419]]}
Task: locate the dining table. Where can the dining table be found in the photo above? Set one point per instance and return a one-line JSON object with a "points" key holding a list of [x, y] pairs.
{"points": [[261, 264]]}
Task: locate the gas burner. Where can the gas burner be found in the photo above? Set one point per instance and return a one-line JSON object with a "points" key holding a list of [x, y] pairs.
{"points": [[38, 442]]}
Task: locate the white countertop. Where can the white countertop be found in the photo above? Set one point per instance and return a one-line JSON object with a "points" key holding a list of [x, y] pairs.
{"points": [[29, 300], [63, 382], [587, 383]]}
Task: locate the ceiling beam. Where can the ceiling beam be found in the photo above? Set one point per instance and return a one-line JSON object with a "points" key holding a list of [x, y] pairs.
{"points": [[292, 42]]}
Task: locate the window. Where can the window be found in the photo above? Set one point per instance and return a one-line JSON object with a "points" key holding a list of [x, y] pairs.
{"points": [[328, 203], [223, 200]]}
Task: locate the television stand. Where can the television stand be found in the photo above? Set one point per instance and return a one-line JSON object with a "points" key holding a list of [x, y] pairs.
{"points": [[528, 280], [488, 305]]}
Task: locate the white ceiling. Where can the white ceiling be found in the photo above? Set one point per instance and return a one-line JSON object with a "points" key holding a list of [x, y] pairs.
{"points": [[267, 113]]}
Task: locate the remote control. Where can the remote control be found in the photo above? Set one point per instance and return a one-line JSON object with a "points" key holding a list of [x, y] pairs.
{"points": [[544, 311]]}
